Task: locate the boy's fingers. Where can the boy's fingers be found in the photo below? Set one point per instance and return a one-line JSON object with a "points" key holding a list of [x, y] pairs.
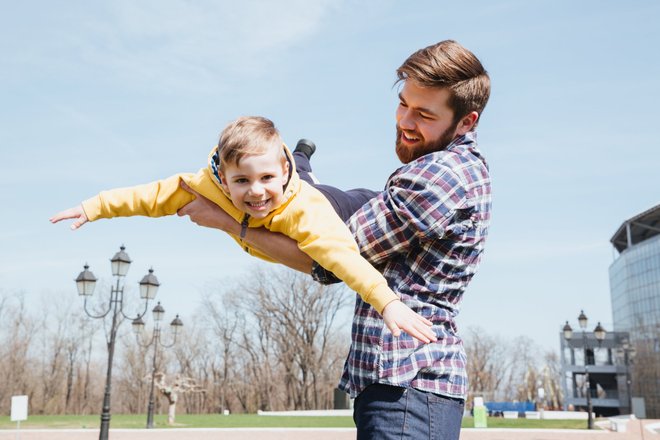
{"points": [[78, 223], [394, 327], [77, 214], [421, 331], [418, 334], [60, 216], [429, 334], [427, 331]]}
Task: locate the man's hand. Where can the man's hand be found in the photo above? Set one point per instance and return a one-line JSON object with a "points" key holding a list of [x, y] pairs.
{"points": [[399, 316], [206, 213], [76, 213]]}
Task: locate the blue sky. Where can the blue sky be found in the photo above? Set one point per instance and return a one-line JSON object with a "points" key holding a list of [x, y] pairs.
{"points": [[95, 95]]}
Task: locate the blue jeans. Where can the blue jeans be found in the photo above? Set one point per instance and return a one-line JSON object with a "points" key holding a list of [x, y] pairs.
{"points": [[384, 412]]}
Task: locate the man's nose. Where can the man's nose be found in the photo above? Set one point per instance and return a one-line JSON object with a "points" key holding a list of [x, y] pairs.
{"points": [[406, 120]]}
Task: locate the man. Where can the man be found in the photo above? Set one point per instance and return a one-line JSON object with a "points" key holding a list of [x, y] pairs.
{"points": [[425, 232]]}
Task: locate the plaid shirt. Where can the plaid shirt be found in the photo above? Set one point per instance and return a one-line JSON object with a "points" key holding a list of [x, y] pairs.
{"points": [[425, 232]]}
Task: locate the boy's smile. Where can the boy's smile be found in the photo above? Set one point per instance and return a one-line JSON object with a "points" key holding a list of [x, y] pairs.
{"points": [[256, 183]]}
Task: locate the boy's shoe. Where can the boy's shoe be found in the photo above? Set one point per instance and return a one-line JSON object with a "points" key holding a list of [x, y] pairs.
{"points": [[305, 147]]}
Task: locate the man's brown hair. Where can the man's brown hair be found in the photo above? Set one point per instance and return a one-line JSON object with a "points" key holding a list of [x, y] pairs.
{"points": [[449, 65], [247, 136]]}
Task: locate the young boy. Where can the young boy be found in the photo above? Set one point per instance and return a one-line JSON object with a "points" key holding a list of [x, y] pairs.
{"points": [[251, 175]]}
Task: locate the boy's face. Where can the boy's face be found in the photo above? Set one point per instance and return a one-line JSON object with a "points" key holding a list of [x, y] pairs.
{"points": [[256, 184]]}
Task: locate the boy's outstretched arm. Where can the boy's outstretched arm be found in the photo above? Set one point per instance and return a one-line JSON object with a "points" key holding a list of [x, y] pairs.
{"points": [[77, 213]]}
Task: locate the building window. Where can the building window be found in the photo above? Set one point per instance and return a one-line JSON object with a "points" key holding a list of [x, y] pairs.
{"points": [[590, 359]]}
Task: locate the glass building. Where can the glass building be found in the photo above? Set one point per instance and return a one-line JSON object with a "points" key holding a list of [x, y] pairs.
{"points": [[635, 296]]}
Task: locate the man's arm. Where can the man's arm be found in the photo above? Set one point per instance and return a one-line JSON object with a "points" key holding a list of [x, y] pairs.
{"points": [[277, 246]]}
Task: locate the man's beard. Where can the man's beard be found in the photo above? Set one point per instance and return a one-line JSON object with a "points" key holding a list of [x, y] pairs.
{"points": [[408, 154]]}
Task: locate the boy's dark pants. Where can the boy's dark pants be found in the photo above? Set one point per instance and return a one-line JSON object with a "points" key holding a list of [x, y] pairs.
{"points": [[344, 202]]}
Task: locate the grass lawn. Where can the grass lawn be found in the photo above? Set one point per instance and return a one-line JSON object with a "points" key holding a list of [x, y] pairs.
{"points": [[500, 422], [251, 421], [182, 421]]}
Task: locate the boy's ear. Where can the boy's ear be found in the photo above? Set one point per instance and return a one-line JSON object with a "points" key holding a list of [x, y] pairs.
{"points": [[223, 181], [287, 171]]}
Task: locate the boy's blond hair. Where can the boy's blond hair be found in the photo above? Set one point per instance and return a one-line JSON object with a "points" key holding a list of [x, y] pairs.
{"points": [[247, 136]]}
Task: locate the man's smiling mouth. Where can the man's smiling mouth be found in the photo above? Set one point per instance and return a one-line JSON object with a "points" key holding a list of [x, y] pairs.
{"points": [[409, 137]]}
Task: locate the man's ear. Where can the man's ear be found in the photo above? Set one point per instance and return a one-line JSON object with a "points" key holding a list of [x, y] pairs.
{"points": [[466, 123]]}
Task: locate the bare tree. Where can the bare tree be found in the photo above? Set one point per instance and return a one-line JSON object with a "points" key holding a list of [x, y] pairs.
{"points": [[512, 370], [17, 333], [134, 366], [521, 380], [278, 341], [222, 319], [194, 356], [488, 363], [272, 340], [552, 381], [62, 333], [301, 314], [171, 390], [52, 359]]}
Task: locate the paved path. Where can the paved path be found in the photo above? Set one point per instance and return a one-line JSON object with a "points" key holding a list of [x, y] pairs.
{"points": [[634, 432], [186, 434]]}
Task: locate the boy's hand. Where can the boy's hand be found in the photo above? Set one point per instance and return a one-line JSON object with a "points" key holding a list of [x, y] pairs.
{"points": [[76, 213], [399, 316]]}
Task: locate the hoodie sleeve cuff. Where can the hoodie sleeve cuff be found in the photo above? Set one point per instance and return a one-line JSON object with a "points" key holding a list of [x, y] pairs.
{"points": [[92, 208], [381, 296]]}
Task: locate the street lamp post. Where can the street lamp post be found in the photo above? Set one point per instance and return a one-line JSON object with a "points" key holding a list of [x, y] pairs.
{"points": [[138, 327], [599, 333], [86, 282]]}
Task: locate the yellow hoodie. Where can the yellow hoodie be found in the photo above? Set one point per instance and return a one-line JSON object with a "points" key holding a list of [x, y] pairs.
{"points": [[306, 216]]}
